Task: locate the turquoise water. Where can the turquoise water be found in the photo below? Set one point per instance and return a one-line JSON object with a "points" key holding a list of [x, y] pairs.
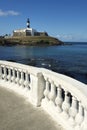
{"points": [[70, 60]]}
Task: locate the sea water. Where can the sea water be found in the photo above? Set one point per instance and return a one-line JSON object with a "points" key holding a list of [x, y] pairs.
{"points": [[69, 59]]}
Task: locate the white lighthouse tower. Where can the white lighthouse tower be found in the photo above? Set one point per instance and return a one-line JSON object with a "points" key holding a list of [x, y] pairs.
{"points": [[28, 23], [29, 30]]}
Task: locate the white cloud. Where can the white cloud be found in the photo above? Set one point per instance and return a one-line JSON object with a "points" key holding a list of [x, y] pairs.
{"points": [[72, 37], [65, 37], [9, 12]]}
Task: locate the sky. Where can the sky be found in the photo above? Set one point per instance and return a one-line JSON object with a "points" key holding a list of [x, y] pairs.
{"points": [[64, 19]]}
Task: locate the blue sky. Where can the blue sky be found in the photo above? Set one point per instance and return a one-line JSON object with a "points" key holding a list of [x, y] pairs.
{"points": [[65, 19]]}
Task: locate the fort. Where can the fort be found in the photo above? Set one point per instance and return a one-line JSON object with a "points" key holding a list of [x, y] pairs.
{"points": [[62, 97], [28, 31]]}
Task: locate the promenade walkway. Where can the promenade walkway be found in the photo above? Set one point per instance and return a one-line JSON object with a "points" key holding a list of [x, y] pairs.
{"points": [[18, 114]]}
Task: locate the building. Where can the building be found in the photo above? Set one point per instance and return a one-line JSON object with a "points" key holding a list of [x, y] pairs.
{"points": [[28, 31]]}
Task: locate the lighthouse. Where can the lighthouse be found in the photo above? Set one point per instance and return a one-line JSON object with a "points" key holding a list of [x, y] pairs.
{"points": [[28, 23]]}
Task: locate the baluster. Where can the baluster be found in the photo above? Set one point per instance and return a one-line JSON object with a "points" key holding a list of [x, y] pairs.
{"points": [[5, 73], [66, 105], [52, 94], [84, 123], [59, 99], [79, 117], [13, 75], [22, 79], [9, 75], [26, 83], [46, 92], [73, 111], [17, 78]]}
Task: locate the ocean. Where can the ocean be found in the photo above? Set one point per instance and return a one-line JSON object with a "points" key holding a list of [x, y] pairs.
{"points": [[69, 59]]}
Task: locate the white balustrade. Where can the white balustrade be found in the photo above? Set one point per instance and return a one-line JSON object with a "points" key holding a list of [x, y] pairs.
{"points": [[17, 75], [64, 98]]}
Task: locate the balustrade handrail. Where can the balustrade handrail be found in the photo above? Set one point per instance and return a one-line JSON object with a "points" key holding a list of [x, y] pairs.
{"points": [[55, 92], [30, 69]]}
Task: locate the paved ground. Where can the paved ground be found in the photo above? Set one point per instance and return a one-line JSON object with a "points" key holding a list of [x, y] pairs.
{"points": [[18, 114]]}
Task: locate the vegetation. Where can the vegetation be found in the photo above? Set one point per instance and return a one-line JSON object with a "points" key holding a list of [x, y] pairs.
{"points": [[30, 40]]}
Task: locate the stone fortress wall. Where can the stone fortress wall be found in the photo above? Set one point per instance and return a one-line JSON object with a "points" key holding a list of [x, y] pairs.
{"points": [[27, 33]]}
